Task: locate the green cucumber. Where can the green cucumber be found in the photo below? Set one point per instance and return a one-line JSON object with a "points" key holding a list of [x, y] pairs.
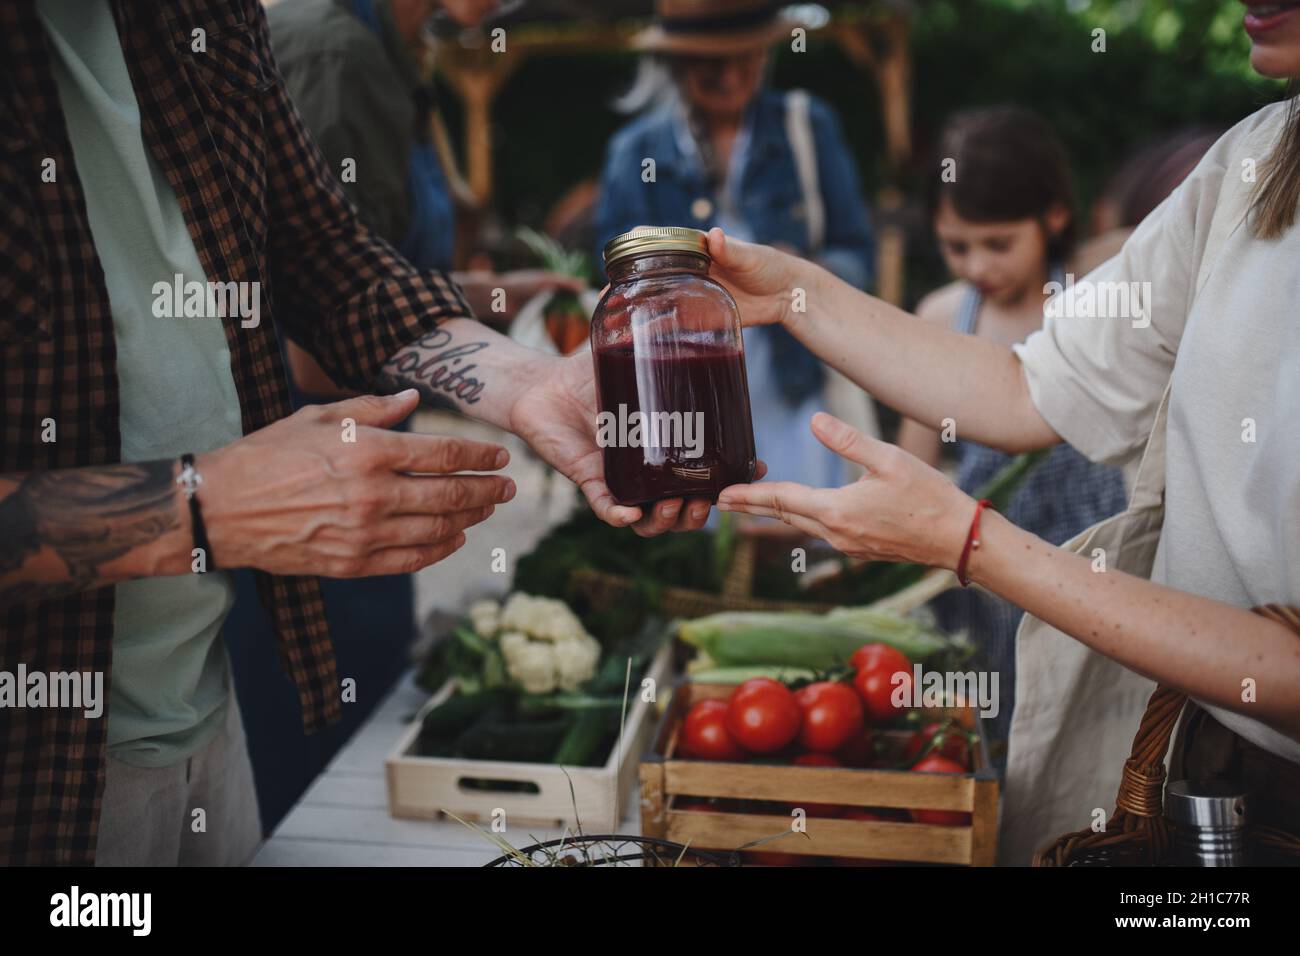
{"points": [[497, 736], [457, 712], [582, 744]]}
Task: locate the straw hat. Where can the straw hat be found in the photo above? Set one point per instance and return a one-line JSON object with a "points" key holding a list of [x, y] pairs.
{"points": [[713, 27]]}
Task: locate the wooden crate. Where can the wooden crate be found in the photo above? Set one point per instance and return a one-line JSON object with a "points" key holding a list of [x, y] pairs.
{"points": [[423, 787], [667, 777]]}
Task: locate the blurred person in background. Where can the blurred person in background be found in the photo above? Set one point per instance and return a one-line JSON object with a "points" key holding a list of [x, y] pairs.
{"points": [[1004, 221], [353, 68], [1137, 188], [768, 166]]}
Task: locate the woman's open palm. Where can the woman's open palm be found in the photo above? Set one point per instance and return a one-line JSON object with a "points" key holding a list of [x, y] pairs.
{"points": [[901, 510]]}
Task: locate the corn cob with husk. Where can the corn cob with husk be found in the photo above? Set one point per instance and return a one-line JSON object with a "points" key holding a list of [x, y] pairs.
{"points": [[812, 641]]}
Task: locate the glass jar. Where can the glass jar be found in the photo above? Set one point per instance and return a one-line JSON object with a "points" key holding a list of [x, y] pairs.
{"points": [[673, 399]]}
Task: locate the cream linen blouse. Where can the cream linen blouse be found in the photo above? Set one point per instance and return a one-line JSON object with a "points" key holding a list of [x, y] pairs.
{"points": [[1226, 326]]}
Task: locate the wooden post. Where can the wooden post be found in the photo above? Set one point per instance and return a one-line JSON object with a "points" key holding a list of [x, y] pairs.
{"points": [[891, 247], [895, 79], [477, 77], [881, 49]]}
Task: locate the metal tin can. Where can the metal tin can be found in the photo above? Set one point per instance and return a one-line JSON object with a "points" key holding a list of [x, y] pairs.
{"points": [[1209, 822]]}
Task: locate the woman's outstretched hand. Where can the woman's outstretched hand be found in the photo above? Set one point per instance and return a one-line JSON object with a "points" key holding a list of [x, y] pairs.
{"points": [[769, 286], [901, 510]]}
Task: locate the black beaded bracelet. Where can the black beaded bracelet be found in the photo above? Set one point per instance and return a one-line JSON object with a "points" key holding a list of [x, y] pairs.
{"points": [[189, 479]]}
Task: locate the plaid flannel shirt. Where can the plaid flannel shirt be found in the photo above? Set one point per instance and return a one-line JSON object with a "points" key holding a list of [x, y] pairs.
{"points": [[261, 205]]}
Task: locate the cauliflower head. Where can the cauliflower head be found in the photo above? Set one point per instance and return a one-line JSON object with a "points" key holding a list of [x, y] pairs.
{"points": [[544, 644], [485, 616]]}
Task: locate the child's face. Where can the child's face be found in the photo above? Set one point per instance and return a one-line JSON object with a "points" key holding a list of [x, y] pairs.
{"points": [[1003, 260]]}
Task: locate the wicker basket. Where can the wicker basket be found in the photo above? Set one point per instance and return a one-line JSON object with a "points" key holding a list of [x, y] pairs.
{"points": [[1137, 833], [604, 590]]}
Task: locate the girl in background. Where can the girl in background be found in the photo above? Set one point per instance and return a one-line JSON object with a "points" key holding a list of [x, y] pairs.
{"points": [[1001, 205]]}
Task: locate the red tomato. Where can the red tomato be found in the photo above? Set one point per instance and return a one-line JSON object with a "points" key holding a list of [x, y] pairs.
{"points": [[870, 655], [696, 803], [884, 814], [818, 809], [859, 751], [763, 715], [817, 760], [692, 805], [866, 654], [876, 665], [704, 733], [755, 858], [857, 813], [832, 713], [936, 763], [851, 861], [955, 746], [706, 804]]}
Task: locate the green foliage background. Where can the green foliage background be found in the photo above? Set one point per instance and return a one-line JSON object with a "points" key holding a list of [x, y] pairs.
{"points": [[1167, 64]]}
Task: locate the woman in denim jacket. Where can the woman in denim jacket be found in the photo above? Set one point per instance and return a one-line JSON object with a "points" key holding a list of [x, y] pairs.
{"points": [[720, 150]]}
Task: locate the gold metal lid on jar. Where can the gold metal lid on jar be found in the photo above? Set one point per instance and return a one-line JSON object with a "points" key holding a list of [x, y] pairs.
{"points": [[645, 239]]}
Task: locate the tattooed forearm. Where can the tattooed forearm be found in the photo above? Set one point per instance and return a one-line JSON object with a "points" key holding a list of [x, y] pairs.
{"points": [[87, 517], [18, 522], [443, 373]]}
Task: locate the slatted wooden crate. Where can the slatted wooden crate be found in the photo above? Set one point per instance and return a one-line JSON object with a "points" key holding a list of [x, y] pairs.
{"points": [[667, 779], [424, 787]]}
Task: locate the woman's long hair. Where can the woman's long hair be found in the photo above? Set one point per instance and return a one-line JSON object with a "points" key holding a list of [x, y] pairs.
{"points": [[1274, 209]]}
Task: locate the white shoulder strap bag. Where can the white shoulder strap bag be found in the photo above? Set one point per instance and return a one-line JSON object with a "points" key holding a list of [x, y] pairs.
{"points": [[1076, 709], [843, 399]]}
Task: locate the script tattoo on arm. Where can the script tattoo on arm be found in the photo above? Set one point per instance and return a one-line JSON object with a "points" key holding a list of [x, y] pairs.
{"points": [[441, 372], [86, 516]]}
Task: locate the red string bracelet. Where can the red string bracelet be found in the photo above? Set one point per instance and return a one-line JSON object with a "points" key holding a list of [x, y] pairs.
{"points": [[972, 541]]}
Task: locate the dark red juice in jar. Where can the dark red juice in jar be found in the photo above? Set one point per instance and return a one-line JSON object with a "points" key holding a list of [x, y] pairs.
{"points": [[696, 436], [670, 372]]}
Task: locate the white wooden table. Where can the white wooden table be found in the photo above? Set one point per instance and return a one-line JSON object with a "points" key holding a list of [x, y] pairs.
{"points": [[342, 819]]}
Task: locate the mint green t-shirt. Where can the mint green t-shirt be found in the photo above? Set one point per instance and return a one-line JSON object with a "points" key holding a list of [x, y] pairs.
{"points": [[170, 681]]}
